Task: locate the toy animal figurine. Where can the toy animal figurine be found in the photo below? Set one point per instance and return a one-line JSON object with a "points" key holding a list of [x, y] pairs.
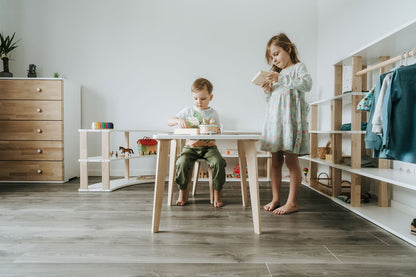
{"points": [[125, 150]]}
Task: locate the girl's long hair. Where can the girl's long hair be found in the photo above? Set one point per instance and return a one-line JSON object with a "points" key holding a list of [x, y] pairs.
{"points": [[281, 40]]}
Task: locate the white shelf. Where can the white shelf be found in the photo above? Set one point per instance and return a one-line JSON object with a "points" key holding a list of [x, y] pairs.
{"points": [[392, 44], [393, 220], [342, 96], [391, 176], [99, 159], [261, 179], [336, 132], [116, 131], [116, 184]]}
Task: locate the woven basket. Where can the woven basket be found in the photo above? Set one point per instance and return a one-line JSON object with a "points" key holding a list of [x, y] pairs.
{"points": [[322, 151], [324, 180]]}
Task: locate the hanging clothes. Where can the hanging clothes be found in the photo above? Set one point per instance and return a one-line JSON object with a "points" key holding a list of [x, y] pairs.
{"points": [[377, 120], [372, 140], [399, 138], [391, 130]]}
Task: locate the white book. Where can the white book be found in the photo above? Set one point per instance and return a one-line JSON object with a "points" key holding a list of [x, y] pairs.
{"points": [[260, 78]]}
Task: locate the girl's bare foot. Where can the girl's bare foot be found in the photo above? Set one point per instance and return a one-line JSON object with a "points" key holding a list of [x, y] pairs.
{"points": [[272, 205], [217, 199], [288, 208], [183, 198]]}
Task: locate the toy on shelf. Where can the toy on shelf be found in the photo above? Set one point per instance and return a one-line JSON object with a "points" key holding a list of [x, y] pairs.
{"points": [[125, 151], [102, 125], [147, 146], [236, 172], [208, 127], [305, 172], [202, 174]]}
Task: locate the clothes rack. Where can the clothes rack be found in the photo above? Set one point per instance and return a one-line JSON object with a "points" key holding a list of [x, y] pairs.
{"points": [[404, 55]]}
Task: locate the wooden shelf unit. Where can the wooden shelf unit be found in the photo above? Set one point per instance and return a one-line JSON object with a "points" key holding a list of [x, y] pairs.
{"points": [[105, 159], [391, 215]]}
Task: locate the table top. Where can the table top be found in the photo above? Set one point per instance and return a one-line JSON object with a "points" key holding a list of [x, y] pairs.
{"points": [[224, 136]]}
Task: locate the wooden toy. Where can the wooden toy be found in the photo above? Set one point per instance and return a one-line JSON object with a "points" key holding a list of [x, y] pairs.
{"points": [[102, 125], [125, 150], [186, 131], [147, 146], [208, 128], [236, 172]]}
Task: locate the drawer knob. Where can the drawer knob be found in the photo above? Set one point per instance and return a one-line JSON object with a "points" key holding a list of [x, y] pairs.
{"points": [[39, 110], [39, 150], [39, 130], [39, 171], [38, 89]]}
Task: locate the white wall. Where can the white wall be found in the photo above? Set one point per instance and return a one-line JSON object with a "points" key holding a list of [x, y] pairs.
{"points": [[345, 26], [136, 60]]}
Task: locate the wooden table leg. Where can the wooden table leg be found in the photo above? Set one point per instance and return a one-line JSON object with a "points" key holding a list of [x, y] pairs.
{"points": [[251, 152], [243, 163], [172, 169], [105, 155], [161, 165], [84, 164]]}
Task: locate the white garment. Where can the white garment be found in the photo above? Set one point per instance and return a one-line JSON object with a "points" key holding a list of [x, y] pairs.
{"points": [[193, 111], [378, 110]]}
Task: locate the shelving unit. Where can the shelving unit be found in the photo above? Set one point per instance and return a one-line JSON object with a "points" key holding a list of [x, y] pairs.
{"points": [[390, 217], [105, 160]]}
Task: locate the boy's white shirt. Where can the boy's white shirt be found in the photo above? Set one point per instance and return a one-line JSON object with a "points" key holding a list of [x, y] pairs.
{"points": [[208, 114]]}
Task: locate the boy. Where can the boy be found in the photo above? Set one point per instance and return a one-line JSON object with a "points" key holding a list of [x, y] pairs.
{"points": [[199, 149]]}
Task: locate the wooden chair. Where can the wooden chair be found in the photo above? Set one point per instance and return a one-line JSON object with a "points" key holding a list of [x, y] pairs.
{"points": [[195, 177]]}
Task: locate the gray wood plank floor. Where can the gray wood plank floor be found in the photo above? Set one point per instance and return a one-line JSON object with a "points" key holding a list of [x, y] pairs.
{"points": [[53, 230]]}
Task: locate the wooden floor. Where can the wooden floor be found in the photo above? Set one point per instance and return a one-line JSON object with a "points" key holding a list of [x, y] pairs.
{"points": [[53, 230]]}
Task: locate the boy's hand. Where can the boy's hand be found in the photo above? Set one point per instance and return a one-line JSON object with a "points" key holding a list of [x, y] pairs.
{"points": [[183, 123], [267, 87], [272, 77]]}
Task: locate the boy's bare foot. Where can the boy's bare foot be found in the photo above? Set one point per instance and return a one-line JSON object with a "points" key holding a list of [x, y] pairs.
{"points": [[288, 208], [183, 197], [272, 205], [217, 199]]}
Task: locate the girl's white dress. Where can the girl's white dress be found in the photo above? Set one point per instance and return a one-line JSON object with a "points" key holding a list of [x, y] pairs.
{"points": [[286, 126]]}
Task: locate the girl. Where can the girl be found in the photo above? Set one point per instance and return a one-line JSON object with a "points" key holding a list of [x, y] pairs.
{"points": [[285, 131]]}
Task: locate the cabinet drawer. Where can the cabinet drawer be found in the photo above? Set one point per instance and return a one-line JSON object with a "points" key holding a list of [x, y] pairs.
{"points": [[31, 171], [31, 150], [31, 130], [31, 89], [30, 110]]}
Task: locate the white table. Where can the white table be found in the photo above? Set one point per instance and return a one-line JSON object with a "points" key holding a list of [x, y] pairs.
{"points": [[247, 155]]}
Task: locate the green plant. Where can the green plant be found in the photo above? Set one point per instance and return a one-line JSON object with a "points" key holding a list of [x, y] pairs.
{"points": [[7, 44]]}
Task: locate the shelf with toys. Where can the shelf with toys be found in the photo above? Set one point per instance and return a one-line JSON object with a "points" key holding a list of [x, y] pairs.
{"points": [[146, 147]]}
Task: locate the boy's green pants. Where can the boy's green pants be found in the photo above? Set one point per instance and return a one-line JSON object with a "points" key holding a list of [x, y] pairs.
{"points": [[187, 160]]}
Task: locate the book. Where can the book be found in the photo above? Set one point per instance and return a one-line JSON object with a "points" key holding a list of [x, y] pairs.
{"points": [[260, 78], [186, 131]]}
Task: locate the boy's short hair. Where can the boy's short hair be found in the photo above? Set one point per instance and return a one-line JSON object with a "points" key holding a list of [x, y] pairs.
{"points": [[200, 83]]}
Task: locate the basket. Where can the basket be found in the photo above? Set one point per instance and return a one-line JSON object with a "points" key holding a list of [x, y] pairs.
{"points": [[322, 151], [324, 181]]}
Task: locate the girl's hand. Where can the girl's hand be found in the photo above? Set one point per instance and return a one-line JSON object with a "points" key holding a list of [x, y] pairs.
{"points": [[267, 87], [272, 77]]}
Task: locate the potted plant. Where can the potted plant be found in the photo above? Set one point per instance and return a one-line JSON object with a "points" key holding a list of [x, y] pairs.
{"points": [[7, 44]]}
